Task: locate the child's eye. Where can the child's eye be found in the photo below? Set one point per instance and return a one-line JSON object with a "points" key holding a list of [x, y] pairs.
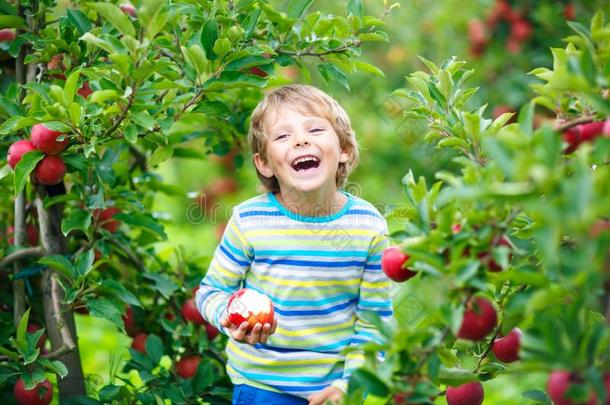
{"points": [[281, 136], [316, 130]]}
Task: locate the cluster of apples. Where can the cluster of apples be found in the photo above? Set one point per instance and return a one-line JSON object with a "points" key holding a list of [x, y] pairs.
{"points": [[51, 169], [582, 133], [480, 32]]}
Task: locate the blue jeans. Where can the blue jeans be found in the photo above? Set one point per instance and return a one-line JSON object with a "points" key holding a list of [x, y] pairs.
{"points": [[248, 395]]}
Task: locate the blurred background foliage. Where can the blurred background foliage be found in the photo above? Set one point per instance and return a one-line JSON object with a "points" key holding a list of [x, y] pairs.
{"points": [[199, 202]]}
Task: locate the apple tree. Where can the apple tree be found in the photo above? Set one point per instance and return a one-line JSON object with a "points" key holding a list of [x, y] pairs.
{"points": [[95, 95], [511, 242]]}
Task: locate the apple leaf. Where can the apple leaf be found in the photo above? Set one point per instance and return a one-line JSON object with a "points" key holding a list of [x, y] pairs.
{"points": [[114, 16], [297, 8], [54, 366], [204, 377], [209, 35], [332, 74], [373, 384], [32, 378], [154, 348], [249, 23], [117, 289], [355, 8], [79, 20], [22, 328], [79, 220], [60, 264], [25, 167], [537, 395], [107, 309], [163, 284]]}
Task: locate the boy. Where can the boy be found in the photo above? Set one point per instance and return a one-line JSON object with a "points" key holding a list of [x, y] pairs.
{"points": [[314, 249]]}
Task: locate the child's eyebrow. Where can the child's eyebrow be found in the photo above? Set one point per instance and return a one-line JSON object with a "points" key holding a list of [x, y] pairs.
{"points": [[309, 121]]}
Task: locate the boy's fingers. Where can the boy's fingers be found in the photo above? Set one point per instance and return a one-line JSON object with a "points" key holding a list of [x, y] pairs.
{"points": [[254, 335], [240, 333], [265, 333], [273, 326]]}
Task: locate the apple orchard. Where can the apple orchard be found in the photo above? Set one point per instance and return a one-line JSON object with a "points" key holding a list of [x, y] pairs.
{"points": [[509, 241]]}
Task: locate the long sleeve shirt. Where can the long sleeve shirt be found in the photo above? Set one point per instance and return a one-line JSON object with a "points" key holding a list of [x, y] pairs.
{"points": [[322, 275]]}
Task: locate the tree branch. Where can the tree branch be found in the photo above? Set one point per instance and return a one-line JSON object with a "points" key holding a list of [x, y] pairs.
{"points": [[570, 124], [116, 124], [22, 254], [58, 353]]}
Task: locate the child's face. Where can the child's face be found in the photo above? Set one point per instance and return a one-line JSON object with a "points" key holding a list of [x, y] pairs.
{"points": [[292, 135]]}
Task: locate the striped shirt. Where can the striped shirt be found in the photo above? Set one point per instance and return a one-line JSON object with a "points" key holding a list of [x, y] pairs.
{"points": [[322, 274]]}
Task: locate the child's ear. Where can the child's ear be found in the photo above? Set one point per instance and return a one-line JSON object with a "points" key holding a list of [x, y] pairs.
{"points": [[344, 156], [261, 165]]}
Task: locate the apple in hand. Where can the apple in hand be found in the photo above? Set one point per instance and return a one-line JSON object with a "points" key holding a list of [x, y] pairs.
{"points": [[50, 170], [392, 263], [45, 140], [17, 150], [480, 318], [507, 348], [42, 394], [247, 305], [187, 366], [470, 393]]}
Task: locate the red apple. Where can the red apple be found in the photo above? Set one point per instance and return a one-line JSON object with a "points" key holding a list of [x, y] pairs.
{"points": [[470, 393], [247, 305], [7, 34], [507, 348], [45, 140], [50, 170], [191, 313], [521, 30], [392, 263], [569, 12], [130, 322], [479, 319], [128, 8], [42, 394], [31, 232], [477, 32], [255, 70], [17, 150], [558, 384], [33, 327], [211, 331], [85, 90], [187, 366], [105, 216], [456, 228], [139, 342]]}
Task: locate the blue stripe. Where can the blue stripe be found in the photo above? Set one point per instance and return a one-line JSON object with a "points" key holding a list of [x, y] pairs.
{"points": [[310, 263], [300, 303], [333, 348], [272, 377], [288, 388], [261, 213], [324, 311], [372, 266], [325, 253], [375, 304], [233, 258], [363, 212], [233, 248]]}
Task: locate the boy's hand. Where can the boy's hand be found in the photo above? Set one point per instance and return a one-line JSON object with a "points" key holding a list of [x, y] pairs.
{"points": [[331, 394], [259, 334]]}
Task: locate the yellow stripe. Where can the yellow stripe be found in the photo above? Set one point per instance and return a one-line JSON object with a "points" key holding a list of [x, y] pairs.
{"points": [[377, 284], [224, 271], [299, 283], [239, 234], [260, 360], [312, 331], [309, 232]]}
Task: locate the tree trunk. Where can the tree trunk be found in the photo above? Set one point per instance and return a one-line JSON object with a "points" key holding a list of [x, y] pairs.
{"points": [[19, 238], [59, 321]]}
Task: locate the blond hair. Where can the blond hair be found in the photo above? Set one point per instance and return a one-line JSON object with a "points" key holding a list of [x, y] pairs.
{"points": [[309, 100]]}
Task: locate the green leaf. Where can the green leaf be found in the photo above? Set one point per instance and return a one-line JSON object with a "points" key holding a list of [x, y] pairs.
{"points": [[114, 16], [209, 35], [25, 167], [368, 68], [247, 62], [143, 222], [101, 96], [79, 20], [163, 284], [368, 380], [54, 366], [537, 395], [296, 8], [79, 219], [106, 309], [12, 21], [187, 124], [204, 378], [233, 80], [14, 124], [70, 87], [109, 393], [7, 8], [222, 47], [83, 262], [143, 119], [526, 118], [22, 329], [373, 37], [60, 264], [249, 23], [195, 57], [160, 155], [355, 8], [154, 348], [331, 74], [118, 290]]}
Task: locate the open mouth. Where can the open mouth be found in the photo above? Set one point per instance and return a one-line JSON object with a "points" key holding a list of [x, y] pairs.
{"points": [[305, 163]]}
